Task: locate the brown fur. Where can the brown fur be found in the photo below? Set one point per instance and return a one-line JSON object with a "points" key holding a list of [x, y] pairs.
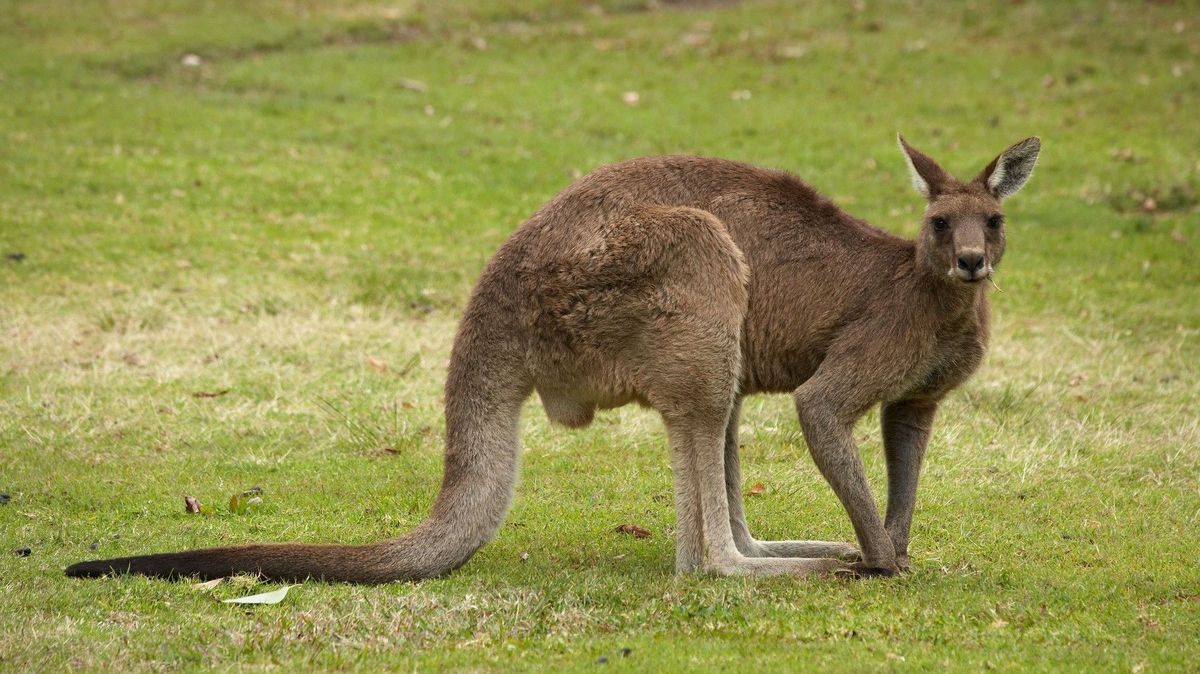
{"points": [[685, 283]]}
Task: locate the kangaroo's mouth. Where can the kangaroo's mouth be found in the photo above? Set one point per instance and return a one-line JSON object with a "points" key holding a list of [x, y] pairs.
{"points": [[972, 275]]}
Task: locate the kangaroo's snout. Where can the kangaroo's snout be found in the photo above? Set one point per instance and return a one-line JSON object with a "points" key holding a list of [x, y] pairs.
{"points": [[971, 265]]}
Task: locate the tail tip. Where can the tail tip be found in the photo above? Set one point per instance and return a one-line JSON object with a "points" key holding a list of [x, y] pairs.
{"points": [[91, 569]]}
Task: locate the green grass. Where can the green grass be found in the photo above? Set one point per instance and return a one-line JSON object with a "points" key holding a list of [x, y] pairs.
{"points": [[267, 221]]}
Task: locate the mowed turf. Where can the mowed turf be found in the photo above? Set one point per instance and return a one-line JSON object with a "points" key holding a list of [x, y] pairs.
{"points": [[244, 268]]}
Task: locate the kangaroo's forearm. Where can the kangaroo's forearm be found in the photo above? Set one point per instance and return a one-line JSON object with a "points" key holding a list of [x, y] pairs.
{"points": [[906, 431]]}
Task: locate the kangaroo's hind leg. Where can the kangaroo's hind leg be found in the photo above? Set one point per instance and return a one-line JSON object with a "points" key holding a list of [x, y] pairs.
{"points": [[686, 359], [696, 436], [746, 544]]}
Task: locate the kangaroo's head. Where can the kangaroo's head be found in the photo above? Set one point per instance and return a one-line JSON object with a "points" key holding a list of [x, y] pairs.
{"points": [[962, 237]]}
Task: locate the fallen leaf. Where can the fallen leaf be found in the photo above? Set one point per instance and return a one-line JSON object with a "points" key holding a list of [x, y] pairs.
{"points": [[191, 60], [1122, 154], [792, 51], [210, 394], [633, 530], [22, 552], [758, 489], [208, 584], [413, 85], [631, 98], [191, 505], [524, 556], [377, 364], [253, 491], [240, 504], [273, 597]]}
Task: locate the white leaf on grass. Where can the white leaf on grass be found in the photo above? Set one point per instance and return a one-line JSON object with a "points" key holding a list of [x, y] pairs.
{"points": [[273, 597], [208, 584]]}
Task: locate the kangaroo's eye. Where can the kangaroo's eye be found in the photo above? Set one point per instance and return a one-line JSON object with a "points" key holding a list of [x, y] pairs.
{"points": [[939, 223], [995, 221]]}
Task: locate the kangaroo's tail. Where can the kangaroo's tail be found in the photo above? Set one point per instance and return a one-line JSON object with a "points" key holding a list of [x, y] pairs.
{"points": [[485, 388]]}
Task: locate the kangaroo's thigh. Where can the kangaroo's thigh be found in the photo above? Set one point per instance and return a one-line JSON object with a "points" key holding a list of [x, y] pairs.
{"points": [[648, 303]]}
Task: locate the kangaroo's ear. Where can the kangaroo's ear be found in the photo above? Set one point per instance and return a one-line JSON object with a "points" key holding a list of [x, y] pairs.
{"points": [[1009, 172], [927, 177]]}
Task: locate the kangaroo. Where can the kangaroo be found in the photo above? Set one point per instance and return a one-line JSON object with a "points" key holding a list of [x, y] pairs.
{"points": [[684, 284]]}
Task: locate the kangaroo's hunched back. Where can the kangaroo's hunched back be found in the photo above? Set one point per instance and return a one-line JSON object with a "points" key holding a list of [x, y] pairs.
{"points": [[684, 283]]}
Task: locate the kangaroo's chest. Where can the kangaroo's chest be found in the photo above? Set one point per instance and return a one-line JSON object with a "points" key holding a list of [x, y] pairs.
{"points": [[953, 359]]}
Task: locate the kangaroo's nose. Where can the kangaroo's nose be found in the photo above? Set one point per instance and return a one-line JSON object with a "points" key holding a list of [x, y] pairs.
{"points": [[970, 262]]}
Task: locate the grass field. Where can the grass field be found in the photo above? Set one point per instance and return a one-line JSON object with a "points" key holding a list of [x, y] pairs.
{"points": [[235, 238]]}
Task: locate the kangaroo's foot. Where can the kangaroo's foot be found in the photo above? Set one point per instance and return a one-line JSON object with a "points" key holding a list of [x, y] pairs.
{"points": [[773, 566], [748, 546], [831, 549]]}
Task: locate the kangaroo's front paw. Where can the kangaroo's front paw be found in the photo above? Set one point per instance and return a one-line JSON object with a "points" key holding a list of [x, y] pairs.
{"points": [[903, 564]]}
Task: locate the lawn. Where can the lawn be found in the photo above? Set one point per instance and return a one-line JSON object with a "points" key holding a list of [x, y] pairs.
{"points": [[235, 238]]}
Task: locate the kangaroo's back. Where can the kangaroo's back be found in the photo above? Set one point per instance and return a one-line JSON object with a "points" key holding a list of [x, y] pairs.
{"points": [[811, 264]]}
